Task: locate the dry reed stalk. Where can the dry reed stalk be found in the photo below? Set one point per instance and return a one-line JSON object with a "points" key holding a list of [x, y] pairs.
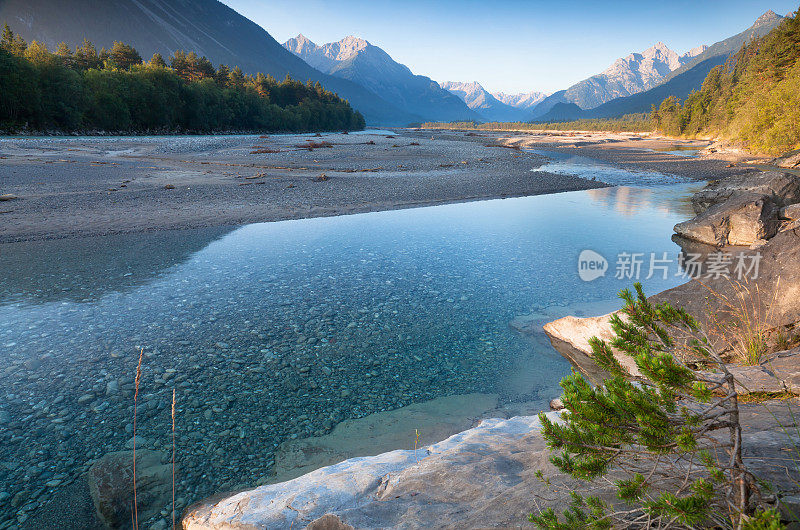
{"points": [[173, 458], [747, 334], [135, 398]]}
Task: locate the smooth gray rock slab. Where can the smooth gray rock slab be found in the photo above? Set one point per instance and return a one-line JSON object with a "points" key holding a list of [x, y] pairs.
{"points": [[454, 483]]}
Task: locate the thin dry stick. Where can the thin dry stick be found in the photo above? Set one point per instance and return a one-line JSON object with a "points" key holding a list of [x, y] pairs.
{"points": [[135, 398], [173, 458]]}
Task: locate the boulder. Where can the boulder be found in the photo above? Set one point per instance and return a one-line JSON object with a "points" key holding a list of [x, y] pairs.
{"points": [[788, 160], [110, 481], [783, 188], [570, 337], [742, 220], [791, 212]]}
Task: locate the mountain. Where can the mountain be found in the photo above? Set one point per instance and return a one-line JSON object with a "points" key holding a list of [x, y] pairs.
{"points": [[629, 75], [520, 101], [679, 83], [544, 106], [560, 112], [478, 99], [359, 61], [207, 27], [763, 25], [753, 102]]}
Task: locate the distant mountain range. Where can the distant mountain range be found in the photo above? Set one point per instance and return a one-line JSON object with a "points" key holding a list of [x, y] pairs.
{"points": [[628, 75], [692, 68], [383, 90], [520, 101], [207, 27], [369, 66], [486, 104]]}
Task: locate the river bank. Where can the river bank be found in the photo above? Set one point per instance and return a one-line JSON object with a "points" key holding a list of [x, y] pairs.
{"points": [[70, 187]]}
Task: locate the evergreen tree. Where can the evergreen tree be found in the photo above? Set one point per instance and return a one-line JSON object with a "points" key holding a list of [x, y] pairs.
{"points": [[65, 54], [157, 61], [222, 75], [236, 78], [123, 56], [656, 428], [85, 56], [13, 44]]}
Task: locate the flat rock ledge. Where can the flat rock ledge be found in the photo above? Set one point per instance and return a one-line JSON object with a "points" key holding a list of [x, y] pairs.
{"points": [[483, 476], [777, 373]]}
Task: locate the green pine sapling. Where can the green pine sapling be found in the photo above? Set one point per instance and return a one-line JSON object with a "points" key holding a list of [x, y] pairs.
{"points": [[670, 430]]}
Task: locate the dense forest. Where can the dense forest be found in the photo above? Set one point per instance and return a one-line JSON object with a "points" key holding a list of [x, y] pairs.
{"points": [[115, 91], [753, 100], [629, 122]]}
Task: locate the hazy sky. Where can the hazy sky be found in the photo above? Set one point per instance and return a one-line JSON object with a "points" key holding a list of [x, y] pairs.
{"points": [[512, 46]]}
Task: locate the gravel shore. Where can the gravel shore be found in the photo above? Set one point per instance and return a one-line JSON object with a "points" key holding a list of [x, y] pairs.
{"points": [[68, 187]]}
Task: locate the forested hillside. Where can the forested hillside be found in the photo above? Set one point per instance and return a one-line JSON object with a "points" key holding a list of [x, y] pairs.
{"points": [[752, 100], [115, 91]]}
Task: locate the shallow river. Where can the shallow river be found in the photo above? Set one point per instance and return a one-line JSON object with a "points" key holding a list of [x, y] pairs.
{"points": [[275, 331]]}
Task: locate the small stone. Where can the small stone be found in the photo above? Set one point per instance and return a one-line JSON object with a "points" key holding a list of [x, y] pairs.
{"points": [[86, 398], [169, 187], [161, 524], [112, 387], [141, 441], [556, 404]]}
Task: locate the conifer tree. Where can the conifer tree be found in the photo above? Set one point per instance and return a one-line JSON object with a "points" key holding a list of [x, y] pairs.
{"points": [[85, 56], [658, 428], [13, 44], [123, 56], [157, 61]]}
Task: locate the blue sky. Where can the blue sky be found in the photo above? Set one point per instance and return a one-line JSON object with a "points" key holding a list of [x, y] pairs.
{"points": [[512, 46]]}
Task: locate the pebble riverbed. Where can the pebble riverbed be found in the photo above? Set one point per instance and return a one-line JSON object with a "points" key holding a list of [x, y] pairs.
{"points": [[278, 331]]}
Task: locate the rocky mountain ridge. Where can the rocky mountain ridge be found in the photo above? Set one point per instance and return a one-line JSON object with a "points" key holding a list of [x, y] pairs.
{"points": [[361, 62]]}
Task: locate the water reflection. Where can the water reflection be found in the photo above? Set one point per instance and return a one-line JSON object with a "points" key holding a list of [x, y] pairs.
{"points": [[84, 269], [629, 201], [591, 169]]}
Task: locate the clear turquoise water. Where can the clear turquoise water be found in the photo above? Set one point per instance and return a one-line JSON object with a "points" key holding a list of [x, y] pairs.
{"points": [[563, 163], [280, 330]]}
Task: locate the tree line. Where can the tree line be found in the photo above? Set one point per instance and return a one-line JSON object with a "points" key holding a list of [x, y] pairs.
{"points": [[116, 91], [626, 123], [752, 100]]}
